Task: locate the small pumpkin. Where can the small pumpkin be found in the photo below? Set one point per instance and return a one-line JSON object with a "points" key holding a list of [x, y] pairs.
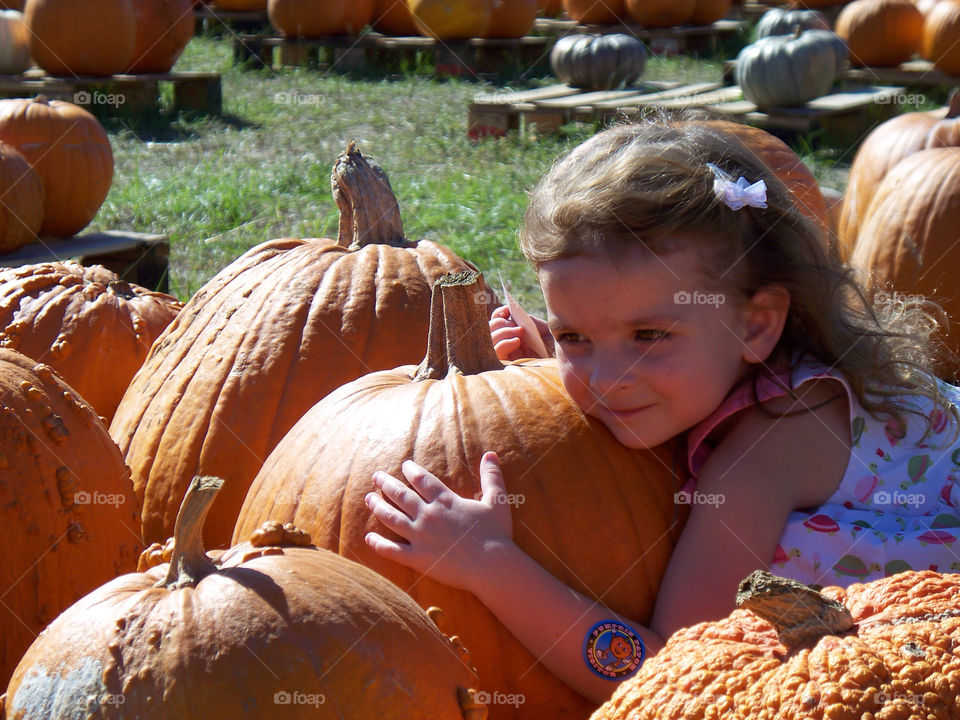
{"points": [[307, 18], [786, 70], [21, 209], [598, 61], [592, 12], [451, 19], [14, 43], [393, 18], [707, 12], [783, 21], [95, 37], [882, 649], [511, 18], [71, 153], [78, 319], [272, 629], [880, 33], [164, 27], [660, 13], [941, 37]]}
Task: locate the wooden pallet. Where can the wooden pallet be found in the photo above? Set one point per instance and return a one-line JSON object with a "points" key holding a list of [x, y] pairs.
{"points": [[120, 94], [846, 112], [915, 73], [374, 50], [661, 41], [136, 257]]}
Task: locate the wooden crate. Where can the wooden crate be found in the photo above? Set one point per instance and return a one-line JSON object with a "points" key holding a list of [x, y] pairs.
{"points": [[136, 257], [912, 74], [660, 41]]}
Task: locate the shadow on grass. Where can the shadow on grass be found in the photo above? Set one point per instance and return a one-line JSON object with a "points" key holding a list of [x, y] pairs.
{"points": [[173, 128]]}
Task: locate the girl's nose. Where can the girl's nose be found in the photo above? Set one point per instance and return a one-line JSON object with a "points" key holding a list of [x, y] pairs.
{"points": [[611, 374]]}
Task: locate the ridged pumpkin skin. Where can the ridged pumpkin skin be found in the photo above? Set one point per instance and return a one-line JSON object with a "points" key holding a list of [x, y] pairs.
{"points": [[86, 323], [391, 17], [71, 153], [898, 662], [21, 210], [607, 12], [880, 33], [909, 234], [885, 146], [68, 518], [661, 13], [307, 18], [93, 37], [941, 37], [600, 61], [781, 21], [511, 18], [451, 19], [588, 508], [164, 27], [14, 43]]}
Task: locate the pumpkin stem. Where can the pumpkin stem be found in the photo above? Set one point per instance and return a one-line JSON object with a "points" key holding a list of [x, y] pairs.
{"points": [[798, 612], [189, 564], [369, 212], [458, 341], [953, 104]]}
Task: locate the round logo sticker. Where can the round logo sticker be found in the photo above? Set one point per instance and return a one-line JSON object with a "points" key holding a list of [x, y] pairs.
{"points": [[613, 650]]}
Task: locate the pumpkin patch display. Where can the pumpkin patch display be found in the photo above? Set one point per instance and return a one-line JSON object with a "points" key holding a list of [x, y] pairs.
{"points": [[307, 18], [511, 18], [14, 43], [598, 61], [164, 27], [941, 37], [68, 518], [273, 629], [71, 153], [660, 13], [783, 21], [584, 506], [883, 649], [269, 336], [76, 38], [880, 33], [451, 19], [21, 210], [91, 327]]}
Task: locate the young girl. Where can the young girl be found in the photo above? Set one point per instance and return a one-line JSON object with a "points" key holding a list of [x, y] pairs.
{"points": [[687, 295]]}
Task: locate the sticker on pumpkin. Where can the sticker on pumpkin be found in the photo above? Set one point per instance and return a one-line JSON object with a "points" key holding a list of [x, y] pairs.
{"points": [[613, 650]]}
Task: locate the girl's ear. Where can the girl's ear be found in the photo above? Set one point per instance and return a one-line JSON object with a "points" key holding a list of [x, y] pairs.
{"points": [[764, 317]]}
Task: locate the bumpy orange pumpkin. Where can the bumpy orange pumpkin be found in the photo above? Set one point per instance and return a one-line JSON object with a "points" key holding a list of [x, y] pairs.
{"points": [[451, 19], [273, 629], [307, 18], [90, 326], [941, 36], [511, 18], [70, 151], [600, 12], [880, 33], [460, 402], [164, 27], [271, 334], [883, 649], [661, 13], [68, 519], [95, 37], [21, 208]]}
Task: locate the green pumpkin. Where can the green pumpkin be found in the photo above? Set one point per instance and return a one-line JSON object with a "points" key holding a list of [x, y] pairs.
{"points": [[780, 21], [598, 62]]}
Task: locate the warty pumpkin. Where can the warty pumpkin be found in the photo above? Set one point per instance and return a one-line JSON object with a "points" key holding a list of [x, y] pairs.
{"points": [[660, 13], [884, 649], [71, 153], [68, 518], [265, 339], [880, 33], [940, 43], [783, 21], [21, 200], [598, 61], [451, 19], [14, 43], [273, 629], [599, 516], [307, 18], [86, 323], [164, 27]]}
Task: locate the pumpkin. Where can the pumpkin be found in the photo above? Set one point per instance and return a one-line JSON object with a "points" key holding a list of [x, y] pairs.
{"points": [[307, 18], [164, 27], [241, 5], [707, 12], [885, 146], [14, 43], [941, 37], [79, 320], [908, 237], [71, 153], [12, 4], [814, 4], [95, 37], [785, 70], [882, 649], [924, 6], [607, 12], [21, 212], [451, 19], [272, 629], [443, 414], [511, 18], [265, 339], [598, 61], [550, 8], [391, 17], [68, 519], [660, 13], [782, 21], [880, 33], [356, 17]]}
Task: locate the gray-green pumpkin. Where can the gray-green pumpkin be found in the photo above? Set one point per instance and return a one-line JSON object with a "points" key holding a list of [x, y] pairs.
{"points": [[786, 70], [598, 62], [781, 21]]}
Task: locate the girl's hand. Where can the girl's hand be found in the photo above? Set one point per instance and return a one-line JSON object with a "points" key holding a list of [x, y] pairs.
{"points": [[447, 536], [508, 340]]}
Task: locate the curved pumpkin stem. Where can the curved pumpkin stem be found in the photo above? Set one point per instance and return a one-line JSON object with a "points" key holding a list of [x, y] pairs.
{"points": [[799, 613], [458, 341], [369, 212], [189, 564]]}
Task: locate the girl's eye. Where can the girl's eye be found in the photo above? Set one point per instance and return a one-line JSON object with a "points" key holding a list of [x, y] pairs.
{"points": [[569, 338], [651, 335]]}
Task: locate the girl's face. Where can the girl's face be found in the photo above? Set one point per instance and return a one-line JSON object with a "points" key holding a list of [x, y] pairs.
{"points": [[647, 345]]}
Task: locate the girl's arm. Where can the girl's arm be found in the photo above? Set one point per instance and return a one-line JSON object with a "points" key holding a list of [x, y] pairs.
{"points": [[467, 544]]}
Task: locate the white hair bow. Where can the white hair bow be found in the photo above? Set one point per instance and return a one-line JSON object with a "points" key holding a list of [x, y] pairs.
{"points": [[740, 193]]}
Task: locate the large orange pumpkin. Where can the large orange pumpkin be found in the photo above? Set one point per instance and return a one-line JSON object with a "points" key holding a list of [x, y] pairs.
{"points": [[271, 334], [94, 37], [885, 146], [358, 15], [941, 36], [273, 629], [661, 13], [511, 18], [880, 33], [68, 519], [392, 17], [21, 200], [71, 153], [86, 323], [164, 27], [600, 12], [610, 537], [451, 19], [884, 650], [307, 18]]}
